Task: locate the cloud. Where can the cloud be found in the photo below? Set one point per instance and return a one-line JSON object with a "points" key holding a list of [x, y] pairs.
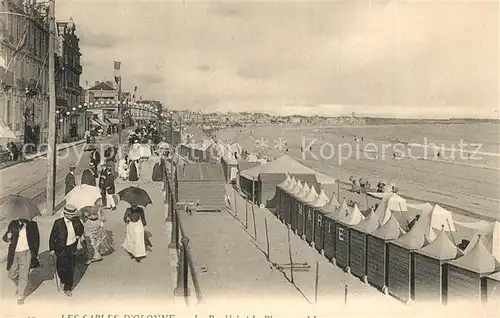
{"points": [[294, 56], [98, 40]]}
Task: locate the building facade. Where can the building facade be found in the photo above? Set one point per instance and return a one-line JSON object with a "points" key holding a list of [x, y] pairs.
{"points": [[24, 69], [145, 111], [69, 93]]}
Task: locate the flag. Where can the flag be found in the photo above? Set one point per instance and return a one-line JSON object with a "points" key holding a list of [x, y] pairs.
{"points": [[117, 72]]}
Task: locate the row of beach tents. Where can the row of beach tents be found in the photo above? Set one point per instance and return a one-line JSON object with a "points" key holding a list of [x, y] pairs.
{"points": [[420, 260]]}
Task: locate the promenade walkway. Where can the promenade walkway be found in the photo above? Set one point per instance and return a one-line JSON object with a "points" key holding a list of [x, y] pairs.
{"points": [[116, 282]]}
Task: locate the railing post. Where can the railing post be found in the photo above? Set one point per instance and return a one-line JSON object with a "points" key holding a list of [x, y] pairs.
{"points": [[168, 199], [182, 288], [174, 239]]}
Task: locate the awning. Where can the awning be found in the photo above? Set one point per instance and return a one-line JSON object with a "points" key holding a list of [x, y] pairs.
{"points": [[5, 132], [97, 122]]}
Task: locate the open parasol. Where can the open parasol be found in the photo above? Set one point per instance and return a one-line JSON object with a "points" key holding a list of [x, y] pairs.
{"points": [[14, 207], [83, 195], [135, 196]]}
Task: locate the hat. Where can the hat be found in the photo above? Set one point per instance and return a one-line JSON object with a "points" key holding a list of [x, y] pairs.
{"points": [[69, 210], [91, 164], [72, 167], [136, 141]]}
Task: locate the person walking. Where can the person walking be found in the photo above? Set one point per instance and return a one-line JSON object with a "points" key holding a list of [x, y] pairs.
{"points": [[110, 189], [89, 175], [24, 241], [95, 157], [102, 185], [70, 180], [135, 239], [98, 242], [63, 241]]}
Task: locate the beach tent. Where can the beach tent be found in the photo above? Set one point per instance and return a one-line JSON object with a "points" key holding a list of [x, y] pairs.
{"points": [[267, 183], [308, 218], [393, 202], [401, 256], [465, 274], [287, 199], [328, 213], [284, 164], [293, 204], [320, 201], [280, 202], [299, 201], [439, 217], [343, 230], [358, 242], [376, 252], [430, 270]]}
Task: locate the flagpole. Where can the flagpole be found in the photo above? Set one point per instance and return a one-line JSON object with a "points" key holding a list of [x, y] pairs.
{"points": [[51, 150]]}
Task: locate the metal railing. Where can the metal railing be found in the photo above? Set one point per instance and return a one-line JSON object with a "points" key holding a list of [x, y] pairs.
{"points": [[185, 266]]}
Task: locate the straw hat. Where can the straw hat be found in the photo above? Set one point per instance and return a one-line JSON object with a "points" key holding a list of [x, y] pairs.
{"points": [[69, 211]]}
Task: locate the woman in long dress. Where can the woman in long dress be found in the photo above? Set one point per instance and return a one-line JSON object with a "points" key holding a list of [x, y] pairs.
{"points": [[133, 175], [134, 242], [100, 243]]}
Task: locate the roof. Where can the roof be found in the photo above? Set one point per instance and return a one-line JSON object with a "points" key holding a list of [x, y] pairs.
{"points": [[416, 237], [303, 192], [244, 165], [495, 276], [332, 205], [390, 201], [272, 177], [311, 196], [285, 164], [102, 86], [439, 217], [478, 260], [321, 200], [391, 230], [369, 224], [296, 189], [201, 172], [442, 248], [285, 183], [342, 211], [354, 217], [290, 185], [309, 178]]}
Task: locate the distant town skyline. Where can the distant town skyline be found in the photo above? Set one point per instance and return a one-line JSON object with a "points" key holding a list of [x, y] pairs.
{"points": [[385, 59]]}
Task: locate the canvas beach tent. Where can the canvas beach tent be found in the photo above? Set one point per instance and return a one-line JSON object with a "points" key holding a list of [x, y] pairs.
{"points": [[429, 268], [343, 233], [394, 203], [465, 274], [320, 201], [400, 256]]}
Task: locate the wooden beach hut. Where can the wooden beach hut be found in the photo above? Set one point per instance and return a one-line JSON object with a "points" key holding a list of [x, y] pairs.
{"points": [[401, 258], [493, 287], [203, 183], [314, 223], [280, 196], [230, 166], [293, 204], [309, 212], [320, 221], [430, 270], [330, 211], [376, 252], [287, 199], [358, 242], [343, 229], [299, 201], [467, 274]]}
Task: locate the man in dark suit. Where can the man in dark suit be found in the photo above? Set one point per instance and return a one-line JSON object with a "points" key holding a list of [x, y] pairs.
{"points": [[24, 241], [110, 189], [95, 157], [63, 241], [89, 175], [70, 180]]}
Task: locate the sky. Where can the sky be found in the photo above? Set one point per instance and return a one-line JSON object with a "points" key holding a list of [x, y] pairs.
{"points": [[378, 58]]}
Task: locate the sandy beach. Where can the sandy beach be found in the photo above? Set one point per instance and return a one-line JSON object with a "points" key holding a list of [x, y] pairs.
{"points": [[464, 185]]}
